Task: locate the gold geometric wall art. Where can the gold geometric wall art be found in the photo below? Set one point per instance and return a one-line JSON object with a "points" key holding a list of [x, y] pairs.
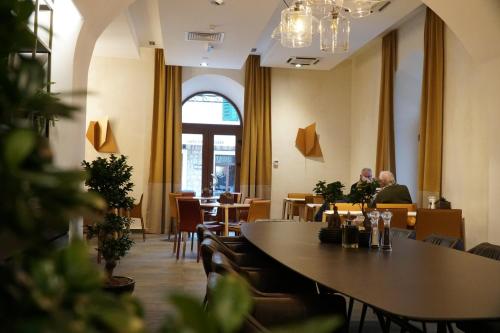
{"points": [[101, 136], [307, 141]]}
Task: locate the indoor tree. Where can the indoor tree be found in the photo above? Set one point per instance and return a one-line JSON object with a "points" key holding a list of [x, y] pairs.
{"points": [[110, 177]]}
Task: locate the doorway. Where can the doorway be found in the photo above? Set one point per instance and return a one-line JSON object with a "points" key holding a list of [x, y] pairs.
{"points": [[211, 144]]}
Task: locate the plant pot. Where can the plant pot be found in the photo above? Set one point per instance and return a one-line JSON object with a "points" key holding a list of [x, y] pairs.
{"points": [[330, 235], [120, 285]]}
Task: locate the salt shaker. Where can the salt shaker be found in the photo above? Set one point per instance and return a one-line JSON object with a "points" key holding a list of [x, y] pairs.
{"points": [[375, 235], [386, 236]]}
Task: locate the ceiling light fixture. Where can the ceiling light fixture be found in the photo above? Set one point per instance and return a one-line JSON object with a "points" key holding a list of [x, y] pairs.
{"points": [[204, 64], [329, 18], [298, 65]]}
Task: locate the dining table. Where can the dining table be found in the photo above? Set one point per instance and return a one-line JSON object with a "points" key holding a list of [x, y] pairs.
{"points": [[226, 207], [416, 281], [288, 207]]}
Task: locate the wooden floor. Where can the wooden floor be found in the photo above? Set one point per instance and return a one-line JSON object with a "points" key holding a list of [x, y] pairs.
{"points": [[157, 273]]}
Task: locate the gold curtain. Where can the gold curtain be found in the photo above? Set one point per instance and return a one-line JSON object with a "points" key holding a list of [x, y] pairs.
{"points": [[166, 149], [386, 156], [255, 174], [430, 146]]}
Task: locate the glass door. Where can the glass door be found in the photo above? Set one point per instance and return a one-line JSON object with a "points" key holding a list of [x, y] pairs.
{"points": [[224, 164], [192, 162]]}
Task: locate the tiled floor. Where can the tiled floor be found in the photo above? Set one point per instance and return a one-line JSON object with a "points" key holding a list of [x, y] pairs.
{"points": [[157, 273]]}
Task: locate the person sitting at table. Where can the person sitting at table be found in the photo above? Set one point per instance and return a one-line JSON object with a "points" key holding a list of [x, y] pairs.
{"points": [[365, 175], [391, 192]]}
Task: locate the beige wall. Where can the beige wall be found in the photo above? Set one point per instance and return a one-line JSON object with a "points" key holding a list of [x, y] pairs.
{"points": [[365, 91], [299, 98], [122, 89], [471, 156]]}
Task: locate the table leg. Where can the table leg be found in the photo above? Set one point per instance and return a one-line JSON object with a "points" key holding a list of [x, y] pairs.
{"points": [[226, 221], [284, 210]]}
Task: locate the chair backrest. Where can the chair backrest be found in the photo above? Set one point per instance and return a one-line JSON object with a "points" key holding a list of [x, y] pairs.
{"points": [[315, 199], [399, 217], [410, 207], [299, 195], [190, 214], [259, 209], [237, 197], [249, 200], [444, 241], [402, 233], [136, 210], [487, 250], [172, 201], [446, 222], [348, 206], [187, 193]]}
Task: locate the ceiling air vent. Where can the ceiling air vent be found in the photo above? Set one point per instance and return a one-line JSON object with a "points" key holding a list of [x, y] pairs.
{"points": [[302, 61], [211, 37]]}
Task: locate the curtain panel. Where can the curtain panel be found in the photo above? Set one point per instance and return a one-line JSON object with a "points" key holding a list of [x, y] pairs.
{"points": [[430, 146], [255, 174], [166, 149], [386, 156]]}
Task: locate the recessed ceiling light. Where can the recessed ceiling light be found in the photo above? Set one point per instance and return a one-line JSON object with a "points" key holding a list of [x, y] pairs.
{"points": [[298, 65], [204, 64]]}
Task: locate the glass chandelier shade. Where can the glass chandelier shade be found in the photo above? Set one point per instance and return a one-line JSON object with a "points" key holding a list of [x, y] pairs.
{"points": [[361, 8], [334, 33], [296, 25]]}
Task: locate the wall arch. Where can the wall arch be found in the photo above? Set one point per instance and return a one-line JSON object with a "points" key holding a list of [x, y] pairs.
{"points": [[479, 31], [217, 83]]}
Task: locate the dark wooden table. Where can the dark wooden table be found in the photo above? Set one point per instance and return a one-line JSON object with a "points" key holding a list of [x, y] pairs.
{"points": [[416, 281]]}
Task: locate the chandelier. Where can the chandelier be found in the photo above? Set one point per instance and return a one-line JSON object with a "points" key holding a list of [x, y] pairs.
{"points": [[330, 18]]}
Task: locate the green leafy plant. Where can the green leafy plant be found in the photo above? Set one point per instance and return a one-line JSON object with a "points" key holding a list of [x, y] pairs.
{"points": [[331, 192], [363, 193], [43, 288], [110, 177]]}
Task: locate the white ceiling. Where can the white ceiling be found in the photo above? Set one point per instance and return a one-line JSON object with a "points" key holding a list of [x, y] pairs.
{"points": [[242, 22], [246, 24]]}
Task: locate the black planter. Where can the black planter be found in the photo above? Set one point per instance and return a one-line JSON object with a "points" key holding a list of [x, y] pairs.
{"points": [[330, 235], [123, 285]]}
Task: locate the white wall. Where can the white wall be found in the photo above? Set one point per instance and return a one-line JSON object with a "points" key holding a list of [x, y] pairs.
{"points": [[299, 98], [407, 96], [123, 89], [64, 137], [365, 95]]}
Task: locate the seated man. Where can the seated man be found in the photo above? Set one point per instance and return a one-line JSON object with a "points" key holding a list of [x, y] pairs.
{"points": [[365, 175], [391, 192]]}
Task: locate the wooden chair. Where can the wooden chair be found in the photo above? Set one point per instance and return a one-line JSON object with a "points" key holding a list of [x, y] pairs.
{"points": [[172, 200], [296, 208], [243, 212], [190, 215], [312, 199], [444, 241], [136, 213], [446, 222], [410, 207], [259, 210], [187, 193]]}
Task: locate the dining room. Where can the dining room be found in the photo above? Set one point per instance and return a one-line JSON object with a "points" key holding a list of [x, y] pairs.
{"points": [[266, 166]]}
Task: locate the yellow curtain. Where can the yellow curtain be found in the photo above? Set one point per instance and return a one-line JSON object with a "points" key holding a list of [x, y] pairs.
{"points": [[255, 173], [386, 156], [430, 145], [166, 149]]}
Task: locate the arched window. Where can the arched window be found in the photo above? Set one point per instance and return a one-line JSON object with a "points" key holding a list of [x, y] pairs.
{"points": [[211, 143]]}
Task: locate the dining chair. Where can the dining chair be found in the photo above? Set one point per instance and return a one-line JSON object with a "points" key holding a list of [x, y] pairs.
{"points": [[402, 233], [444, 241], [312, 199], [136, 213], [259, 209], [243, 212], [399, 217], [446, 222], [190, 215], [411, 220], [486, 250], [172, 203], [187, 193], [296, 208]]}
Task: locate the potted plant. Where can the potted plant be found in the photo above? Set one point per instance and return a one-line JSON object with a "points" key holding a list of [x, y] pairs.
{"points": [[331, 193], [110, 177], [363, 194]]}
